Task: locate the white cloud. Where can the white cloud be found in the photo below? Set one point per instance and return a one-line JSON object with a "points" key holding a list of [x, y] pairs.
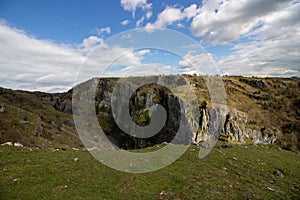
{"points": [[103, 30], [139, 22], [29, 63], [224, 21], [141, 52], [92, 42], [128, 63], [149, 14], [102, 60], [125, 22], [24, 60], [180, 25], [167, 17], [143, 70], [269, 46], [197, 64], [133, 5], [191, 11], [173, 14], [273, 49]]}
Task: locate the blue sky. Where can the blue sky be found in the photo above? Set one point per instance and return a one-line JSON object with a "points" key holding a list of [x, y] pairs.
{"points": [[72, 21], [44, 43]]}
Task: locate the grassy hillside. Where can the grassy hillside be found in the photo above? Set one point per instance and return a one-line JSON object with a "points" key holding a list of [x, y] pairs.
{"points": [[228, 172], [31, 119], [45, 120], [268, 102]]}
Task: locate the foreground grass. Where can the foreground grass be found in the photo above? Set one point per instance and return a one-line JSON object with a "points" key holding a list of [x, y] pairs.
{"points": [[238, 172]]}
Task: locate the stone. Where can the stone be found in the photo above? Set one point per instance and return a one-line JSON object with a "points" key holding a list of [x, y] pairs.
{"points": [[271, 189], [17, 144], [237, 129], [2, 108], [278, 173], [76, 159], [63, 187], [7, 143]]}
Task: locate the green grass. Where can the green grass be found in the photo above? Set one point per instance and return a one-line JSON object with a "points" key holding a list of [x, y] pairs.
{"points": [[238, 172]]}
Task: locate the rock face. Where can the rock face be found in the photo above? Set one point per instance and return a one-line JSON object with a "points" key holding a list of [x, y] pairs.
{"points": [[63, 106], [142, 105], [260, 110], [254, 83], [237, 128], [229, 125]]}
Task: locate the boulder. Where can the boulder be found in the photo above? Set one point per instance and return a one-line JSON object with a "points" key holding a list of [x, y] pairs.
{"points": [[2, 108]]}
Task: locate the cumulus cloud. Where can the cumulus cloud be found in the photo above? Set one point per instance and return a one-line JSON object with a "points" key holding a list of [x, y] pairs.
{"points": [[125, 22], [88, 44], [29, 63], [101, 62], [133, 5], [24, 60], [273, 49], [173, 14], [202, 64], [167, 17], [224, 21], [266, 34], [191, 11]]}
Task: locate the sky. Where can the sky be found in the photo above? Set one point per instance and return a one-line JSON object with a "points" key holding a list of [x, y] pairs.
{"points": [[49, 45]]}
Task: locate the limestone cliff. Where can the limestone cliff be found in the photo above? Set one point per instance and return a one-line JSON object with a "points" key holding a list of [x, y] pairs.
{"points": [[236, 126], [258, 110]]}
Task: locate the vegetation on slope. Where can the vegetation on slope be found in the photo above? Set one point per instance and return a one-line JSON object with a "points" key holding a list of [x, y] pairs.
{"points": [[30, 119], [45, 120], [228, 172], [268, 102]]}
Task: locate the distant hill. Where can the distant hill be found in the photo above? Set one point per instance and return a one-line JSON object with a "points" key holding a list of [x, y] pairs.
{"points": [[260, 110]]}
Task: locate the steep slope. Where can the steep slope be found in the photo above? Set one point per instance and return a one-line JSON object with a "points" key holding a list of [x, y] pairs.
{"points": [[260, 110], [30, 118], [267, 105]]}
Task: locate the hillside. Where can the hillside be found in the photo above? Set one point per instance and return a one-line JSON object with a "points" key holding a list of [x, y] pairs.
{"points": [[31, 119], [228, 172], [260, 110]]}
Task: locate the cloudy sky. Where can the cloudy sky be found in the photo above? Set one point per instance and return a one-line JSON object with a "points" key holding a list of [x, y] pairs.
{"points": [[44, 44]]}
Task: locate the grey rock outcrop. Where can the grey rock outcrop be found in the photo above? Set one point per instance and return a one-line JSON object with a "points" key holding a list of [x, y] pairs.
{"points": [[213, 123], [236, 128], [254, 83]]}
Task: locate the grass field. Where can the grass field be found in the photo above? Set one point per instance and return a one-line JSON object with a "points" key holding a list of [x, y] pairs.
{"points": [[235, 172]]}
